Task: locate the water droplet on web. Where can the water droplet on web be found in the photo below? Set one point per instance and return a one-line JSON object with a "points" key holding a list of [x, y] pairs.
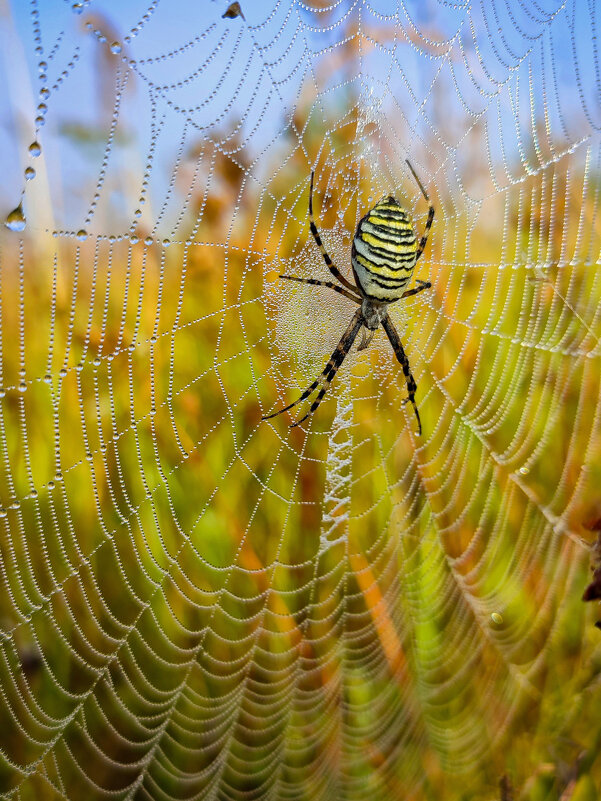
{"points": [[82, 235], [39, 121], [48, 378], [138, 213], [166, 242], [22, 387], [134, 239], [62, 373], [42, 108], [35, 148], [97, 362], [148, 241], [42, 66], [16, 221], [116, 48], [29, 173], [77, 8]]}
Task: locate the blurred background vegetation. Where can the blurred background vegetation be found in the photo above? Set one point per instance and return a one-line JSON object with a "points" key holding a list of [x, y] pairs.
{"points": [[196, 604]]}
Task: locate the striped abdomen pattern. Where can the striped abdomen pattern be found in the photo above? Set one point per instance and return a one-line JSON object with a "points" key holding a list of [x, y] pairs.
{"points": [[384, 251]]}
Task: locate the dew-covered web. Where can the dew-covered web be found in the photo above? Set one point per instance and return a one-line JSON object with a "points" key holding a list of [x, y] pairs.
{"points": [[199, 604]]}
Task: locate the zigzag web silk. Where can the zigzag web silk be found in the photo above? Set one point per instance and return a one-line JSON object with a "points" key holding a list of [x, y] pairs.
{"points": [[198, 604]]}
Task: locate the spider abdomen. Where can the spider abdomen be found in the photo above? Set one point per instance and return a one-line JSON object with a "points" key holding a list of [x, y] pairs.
{"points": [[384, 251]]}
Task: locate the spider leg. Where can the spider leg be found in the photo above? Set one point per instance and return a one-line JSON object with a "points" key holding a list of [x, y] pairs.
{"points": [[424, 239], [395, 341], [331, 266], [422, 285], [329, 371], [329, 284]]}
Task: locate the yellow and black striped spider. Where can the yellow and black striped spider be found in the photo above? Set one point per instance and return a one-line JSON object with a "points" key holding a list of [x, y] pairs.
{"points": [[384, 254]]}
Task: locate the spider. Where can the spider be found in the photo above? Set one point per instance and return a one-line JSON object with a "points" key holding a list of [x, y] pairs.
{"points": [[383, 258]]}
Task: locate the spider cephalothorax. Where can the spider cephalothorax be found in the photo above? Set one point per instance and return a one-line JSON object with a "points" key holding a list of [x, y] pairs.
{"points": [[384, 254]]}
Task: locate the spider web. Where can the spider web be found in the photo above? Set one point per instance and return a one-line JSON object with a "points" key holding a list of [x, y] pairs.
{"points": [[198, 604]]}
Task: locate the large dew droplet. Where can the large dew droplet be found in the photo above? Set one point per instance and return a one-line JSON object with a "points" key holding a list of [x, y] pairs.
{"points": [[29, 173], [35, 149], [16, 219], [116, 48], [82, 235]]}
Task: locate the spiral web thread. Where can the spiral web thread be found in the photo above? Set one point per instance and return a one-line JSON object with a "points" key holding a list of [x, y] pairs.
{"points": [[198, 604]]}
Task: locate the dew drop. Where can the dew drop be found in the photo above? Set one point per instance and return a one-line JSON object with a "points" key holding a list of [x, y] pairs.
{"points": [[97, 362], [35, 149], [22, 387], [134, 239], [44, 93], [3, 513], [29, 173], [42, 66], [148, 241], [82, 235], [39, 121], [48, 378], [166, 243], [137, 213], [116, 48], [42, 108], [50, 485], [16, 221], [62, 373], [77, 8], [2, 392]]}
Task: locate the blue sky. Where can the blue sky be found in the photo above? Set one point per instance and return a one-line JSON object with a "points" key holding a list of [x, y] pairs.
{"points": [[205, 70]]}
